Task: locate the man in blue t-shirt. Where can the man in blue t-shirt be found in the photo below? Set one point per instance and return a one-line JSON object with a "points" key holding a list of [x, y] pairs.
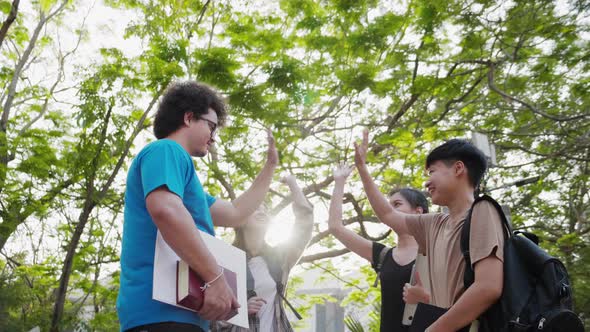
{"points": [[164, 193]]}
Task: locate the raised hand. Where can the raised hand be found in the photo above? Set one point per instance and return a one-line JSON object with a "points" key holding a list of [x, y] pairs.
{"points": [[272, 156], [342, 171], [296, 191], [360, 151], [350, 239], [288, 179]]}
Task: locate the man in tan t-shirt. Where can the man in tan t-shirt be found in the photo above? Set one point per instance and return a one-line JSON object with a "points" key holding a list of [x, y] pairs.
{"points": [[455, 170], [439, 238]]}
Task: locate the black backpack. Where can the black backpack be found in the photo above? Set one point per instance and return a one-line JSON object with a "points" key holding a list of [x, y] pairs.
{"points": [[537, 294]]}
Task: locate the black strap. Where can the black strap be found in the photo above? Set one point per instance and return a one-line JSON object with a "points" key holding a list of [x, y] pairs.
{"points": [[280, 289], [379, 264], [469, 276], [275, 268], [250, 284]]}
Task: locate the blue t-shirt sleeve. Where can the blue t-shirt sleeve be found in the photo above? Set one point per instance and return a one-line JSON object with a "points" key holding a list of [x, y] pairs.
{"points": [[210, 199], [164, 165]]}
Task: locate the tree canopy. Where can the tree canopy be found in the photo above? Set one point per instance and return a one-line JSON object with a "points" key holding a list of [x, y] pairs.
{"points": [[415, 73]]}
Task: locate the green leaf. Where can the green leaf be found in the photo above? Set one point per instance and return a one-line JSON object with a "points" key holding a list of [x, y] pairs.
{"points": [[46, 5], [5, 6]]}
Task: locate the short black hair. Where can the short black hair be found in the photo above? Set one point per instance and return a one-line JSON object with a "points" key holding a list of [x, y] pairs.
{"points": [[415, 197], [186, 97], [461, 150]]}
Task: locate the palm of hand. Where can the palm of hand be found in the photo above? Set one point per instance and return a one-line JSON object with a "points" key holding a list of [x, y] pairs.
{"points": [[342, 172], [272, 154], [287, 178], [360, 150]]}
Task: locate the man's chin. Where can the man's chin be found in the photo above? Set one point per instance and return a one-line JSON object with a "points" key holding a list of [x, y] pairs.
{"points": [[437, 201], [200, 154]]}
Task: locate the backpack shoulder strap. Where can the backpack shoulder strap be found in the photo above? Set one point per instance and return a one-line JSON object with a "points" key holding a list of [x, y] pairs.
{"points": [[469, 276], [379, 264]]}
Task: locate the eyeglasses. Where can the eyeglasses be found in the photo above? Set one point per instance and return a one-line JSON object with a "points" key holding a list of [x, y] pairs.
{"points": [[212, 125]]}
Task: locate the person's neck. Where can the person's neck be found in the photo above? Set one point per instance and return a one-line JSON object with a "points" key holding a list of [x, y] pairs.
{"points": [[254, 252], [178, 138], [459, 205], [406, 241]]}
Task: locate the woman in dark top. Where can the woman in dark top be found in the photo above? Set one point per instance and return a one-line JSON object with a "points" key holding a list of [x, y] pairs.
{"points": [[394, 265]]}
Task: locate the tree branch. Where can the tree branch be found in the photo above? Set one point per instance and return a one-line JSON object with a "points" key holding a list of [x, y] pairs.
{"points": [[9, 20], [336, 276], [202, 13], [392, 121], [315, 187], [535, 110], [219, 175], [322, 255], [138, 127], [306, 130], [321, 235], [21, 63], [460, 99]]}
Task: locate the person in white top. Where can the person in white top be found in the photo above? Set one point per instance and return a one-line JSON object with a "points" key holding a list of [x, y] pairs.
{"points": [[269, 267]]}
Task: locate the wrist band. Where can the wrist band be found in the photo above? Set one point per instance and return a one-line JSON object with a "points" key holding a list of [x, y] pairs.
{"points": [[208, 284]]}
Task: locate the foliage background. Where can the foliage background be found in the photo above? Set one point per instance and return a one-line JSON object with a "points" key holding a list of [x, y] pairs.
{"points": [[79, 82]]}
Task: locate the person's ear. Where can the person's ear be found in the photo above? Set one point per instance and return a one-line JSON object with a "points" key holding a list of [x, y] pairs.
{"points": [[420, 210], [188, 116], [459, 168]]}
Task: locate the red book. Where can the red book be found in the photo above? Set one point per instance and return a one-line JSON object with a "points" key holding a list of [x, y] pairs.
{"points": [[188, 286]]}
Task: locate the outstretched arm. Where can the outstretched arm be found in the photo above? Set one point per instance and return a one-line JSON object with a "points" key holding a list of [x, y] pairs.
{"points": [[234, 214], [303, 228], [384, 211], [350, 239], [296, 192]]}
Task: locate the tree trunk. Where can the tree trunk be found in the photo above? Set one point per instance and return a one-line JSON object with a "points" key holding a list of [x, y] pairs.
{"points": [[67, 267]]}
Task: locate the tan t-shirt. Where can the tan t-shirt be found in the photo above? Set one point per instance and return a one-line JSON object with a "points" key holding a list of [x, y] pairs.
{"points": [[440, 240]]}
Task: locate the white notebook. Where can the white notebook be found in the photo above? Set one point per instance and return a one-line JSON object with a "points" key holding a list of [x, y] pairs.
{"points": [[164, 288], [420, 265]]}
